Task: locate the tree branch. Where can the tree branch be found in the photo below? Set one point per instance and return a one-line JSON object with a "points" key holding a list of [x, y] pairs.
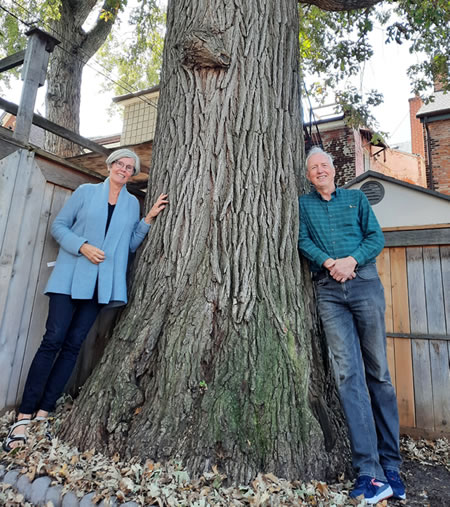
{"points": [[341, 5], [100, 31], [80, 9]]}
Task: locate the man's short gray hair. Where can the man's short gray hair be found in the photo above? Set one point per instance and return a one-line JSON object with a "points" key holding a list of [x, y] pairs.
{"points": [[124, 153], [316, 150]]}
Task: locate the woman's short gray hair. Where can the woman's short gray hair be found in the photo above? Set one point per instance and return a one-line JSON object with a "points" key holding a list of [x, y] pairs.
{"points": [[124, 153]]}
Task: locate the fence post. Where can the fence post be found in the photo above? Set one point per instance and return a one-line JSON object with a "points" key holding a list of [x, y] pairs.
{"points": [[40, 45]]}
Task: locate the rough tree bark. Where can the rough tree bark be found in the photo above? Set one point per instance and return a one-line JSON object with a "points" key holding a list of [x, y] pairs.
{"points": [[216, 359], [62, 101]]}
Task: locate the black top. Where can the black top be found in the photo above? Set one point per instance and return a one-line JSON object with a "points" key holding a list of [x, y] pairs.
{"points": [[111, 208]]}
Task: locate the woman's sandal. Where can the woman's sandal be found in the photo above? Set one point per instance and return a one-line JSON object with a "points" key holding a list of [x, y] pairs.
{"points": [[15, 438]]}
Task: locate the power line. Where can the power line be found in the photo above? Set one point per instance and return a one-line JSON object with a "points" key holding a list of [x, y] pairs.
{"points": [[14, 16], [125, 86]]}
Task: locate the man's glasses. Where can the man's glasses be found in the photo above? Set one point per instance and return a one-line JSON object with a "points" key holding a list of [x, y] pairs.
{"points": [[128, 168]]}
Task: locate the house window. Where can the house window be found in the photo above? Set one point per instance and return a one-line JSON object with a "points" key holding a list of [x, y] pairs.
{"points": [[366, 161], [374, 191]]}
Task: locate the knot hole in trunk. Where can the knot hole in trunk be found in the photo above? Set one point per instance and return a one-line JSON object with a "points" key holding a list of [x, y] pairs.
{"points": [[204, 49]]}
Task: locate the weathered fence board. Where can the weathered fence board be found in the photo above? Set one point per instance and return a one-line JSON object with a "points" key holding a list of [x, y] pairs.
{"points": [[441, 383], [12, 280], [403, 355], [423, 389], [399, 283], [445, 268], [433, 290], [13, 221], [21, 289], [8, 180], [420, 348], [384, 270], [416, 290]]}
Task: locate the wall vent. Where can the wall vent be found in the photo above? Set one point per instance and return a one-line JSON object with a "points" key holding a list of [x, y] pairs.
{"points": [[374, 191]]}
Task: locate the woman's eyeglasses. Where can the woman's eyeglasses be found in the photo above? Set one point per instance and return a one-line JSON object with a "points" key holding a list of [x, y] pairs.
{"points": [[128, 168]]}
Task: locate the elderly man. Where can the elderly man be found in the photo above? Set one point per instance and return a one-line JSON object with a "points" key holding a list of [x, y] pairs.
{"points": [[340, 236]]}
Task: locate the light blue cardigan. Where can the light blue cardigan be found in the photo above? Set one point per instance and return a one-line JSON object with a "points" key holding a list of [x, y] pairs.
{"points": [[83, 218]]}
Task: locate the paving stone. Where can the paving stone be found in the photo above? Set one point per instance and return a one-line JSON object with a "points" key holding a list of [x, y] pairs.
{"points": [[86, 501], [23, 486], [39, 490], [54, 495], [11, 478], [70, 500], [129, 504]]}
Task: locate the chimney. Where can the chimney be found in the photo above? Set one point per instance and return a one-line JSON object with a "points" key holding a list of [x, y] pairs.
{"points": [[417, 137]]}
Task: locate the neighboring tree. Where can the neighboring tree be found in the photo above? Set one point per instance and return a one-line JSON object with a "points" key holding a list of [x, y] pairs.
{"points": [[133, 51], [65, 20], [217, 358], [82, 26], [63, 97]]}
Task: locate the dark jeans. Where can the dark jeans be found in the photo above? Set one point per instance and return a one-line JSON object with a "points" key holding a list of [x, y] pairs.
{"points": [[353, 319], [68, 323]]}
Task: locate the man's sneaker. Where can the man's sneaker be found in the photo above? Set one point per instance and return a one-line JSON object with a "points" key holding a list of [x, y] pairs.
{"points": [[396, 484], [370, 489]]}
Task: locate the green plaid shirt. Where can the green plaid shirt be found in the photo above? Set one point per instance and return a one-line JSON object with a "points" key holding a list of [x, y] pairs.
{"points": [[343, 226]]}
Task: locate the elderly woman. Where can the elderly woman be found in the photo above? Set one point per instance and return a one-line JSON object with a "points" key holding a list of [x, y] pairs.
{"points": [[96, 229]]}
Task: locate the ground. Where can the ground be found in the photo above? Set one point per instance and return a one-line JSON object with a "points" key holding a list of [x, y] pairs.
{"points": [[426, 471]]}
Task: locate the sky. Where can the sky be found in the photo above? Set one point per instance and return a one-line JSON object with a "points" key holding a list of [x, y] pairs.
{"points": [[386, 71]]}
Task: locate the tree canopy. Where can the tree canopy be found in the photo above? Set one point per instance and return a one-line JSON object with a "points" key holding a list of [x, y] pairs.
{"points": [[335, 45], [334, 42]]}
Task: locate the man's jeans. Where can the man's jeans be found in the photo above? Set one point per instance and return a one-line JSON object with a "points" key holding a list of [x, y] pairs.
{"points": [[68, 323], [352, 314]]}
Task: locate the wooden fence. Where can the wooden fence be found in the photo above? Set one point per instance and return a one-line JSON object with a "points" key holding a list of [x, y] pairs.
{"points": [[416, 280]]}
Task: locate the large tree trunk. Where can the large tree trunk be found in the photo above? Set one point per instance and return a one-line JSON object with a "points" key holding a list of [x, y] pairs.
{"points": [[63, 98], [216, 359]]}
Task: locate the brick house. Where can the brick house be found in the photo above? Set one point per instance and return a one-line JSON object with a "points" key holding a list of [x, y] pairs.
{"points": [[434, 140]]}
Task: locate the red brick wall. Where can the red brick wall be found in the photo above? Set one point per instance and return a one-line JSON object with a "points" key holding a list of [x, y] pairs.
{"points": [[439, 171], [340, 144], [417, 134]]}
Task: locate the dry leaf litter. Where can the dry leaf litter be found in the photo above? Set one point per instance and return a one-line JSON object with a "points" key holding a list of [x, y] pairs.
{"points": [[169, 484]]}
